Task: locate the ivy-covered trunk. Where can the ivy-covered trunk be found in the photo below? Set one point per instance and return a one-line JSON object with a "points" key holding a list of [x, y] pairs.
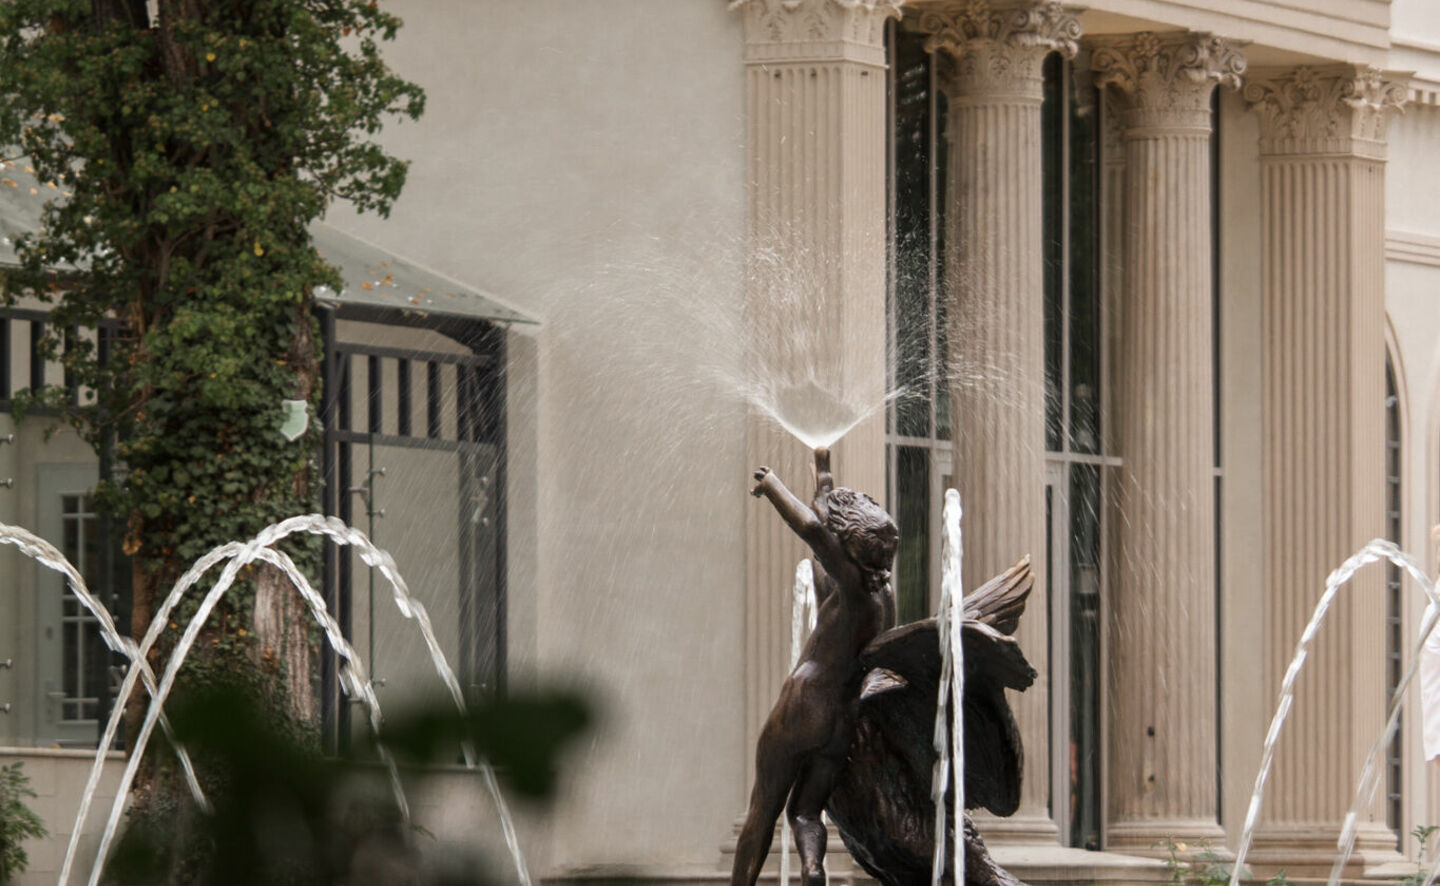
{"points": [[191, 152]]}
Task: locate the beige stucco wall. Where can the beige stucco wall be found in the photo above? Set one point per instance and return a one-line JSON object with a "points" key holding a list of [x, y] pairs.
{"points": [[1244, 711], [584, 162], [58, 779]]}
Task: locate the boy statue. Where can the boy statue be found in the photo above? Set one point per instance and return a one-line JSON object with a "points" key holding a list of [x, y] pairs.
{"points": [[806, 738]]}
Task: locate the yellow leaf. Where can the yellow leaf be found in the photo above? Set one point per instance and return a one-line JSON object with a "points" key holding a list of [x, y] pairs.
{"points": [[209, 56], [259, 250], [366, 286], [8, 182]]}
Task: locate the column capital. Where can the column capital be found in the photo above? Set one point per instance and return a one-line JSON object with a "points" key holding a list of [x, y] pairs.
{"points": [[997, 49], [1168, 77], [1332, 109], [816, 30]]}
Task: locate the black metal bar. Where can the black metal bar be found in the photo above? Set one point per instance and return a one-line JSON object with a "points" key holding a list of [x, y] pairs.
{"points": [[329, 381], [464, 405], [374, 409], [495, 406], [365, 438], [115, 578], [411, 354], [72, 389], [343, 393], [27, 314], [5, 390], [466, 593], [402, 405], [432, 400], [346, 512], [468, 539], [37, 359]]}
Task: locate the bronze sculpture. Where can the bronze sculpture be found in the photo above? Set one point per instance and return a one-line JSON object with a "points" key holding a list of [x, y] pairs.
{"points": [[806, 738], [851, 731]]}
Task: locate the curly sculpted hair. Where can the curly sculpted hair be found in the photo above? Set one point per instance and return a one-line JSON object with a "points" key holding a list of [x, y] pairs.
{"points": [[868, 534]]}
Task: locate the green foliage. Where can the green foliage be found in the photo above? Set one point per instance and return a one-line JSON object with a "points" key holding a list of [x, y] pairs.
{"points": [[1422, 834], [194, 150], [1204, 866], [285, 815], [17, 822]]}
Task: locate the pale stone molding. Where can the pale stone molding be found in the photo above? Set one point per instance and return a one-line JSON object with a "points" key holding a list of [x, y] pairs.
{"points": [[996, 50], [1167, 76], [1162, 616], [796, 30], [1334, 109], [1412, 248]]}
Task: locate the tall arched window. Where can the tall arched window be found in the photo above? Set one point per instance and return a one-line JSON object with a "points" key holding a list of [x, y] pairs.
{"points": [[1394, 637]]}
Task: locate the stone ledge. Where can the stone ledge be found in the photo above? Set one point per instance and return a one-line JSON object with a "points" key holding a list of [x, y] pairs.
{"points": [[1032, 864], [63, 753], [1060, 864]]}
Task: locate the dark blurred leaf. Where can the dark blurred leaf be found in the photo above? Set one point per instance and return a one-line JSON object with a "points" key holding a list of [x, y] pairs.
{"points": [[522, 737]]}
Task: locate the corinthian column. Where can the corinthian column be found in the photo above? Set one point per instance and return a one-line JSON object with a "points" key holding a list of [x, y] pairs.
{"points": [[991, 61], [815, 293], [1322, 161], [1162, 629]]}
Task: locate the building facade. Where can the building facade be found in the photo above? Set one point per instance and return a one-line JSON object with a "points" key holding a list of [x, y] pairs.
{"points": [[1155, 283]]}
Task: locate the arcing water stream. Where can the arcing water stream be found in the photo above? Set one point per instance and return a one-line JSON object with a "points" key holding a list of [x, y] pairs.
{"points": [[1375, 551], [353, 677]]}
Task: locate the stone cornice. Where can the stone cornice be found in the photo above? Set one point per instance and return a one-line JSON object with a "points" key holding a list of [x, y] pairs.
{"points": [[816, 30], [1334, 109], [996, 51], [1411, 247], [1166, 77]]}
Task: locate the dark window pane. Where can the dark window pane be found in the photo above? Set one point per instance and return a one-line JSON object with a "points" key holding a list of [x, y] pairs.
{"points": [[913, 516], [913, 316], [1052, 115], [70, 540], [1085, 321], [1085, 656], [70, 674], [1393, 595], [942, 363]]}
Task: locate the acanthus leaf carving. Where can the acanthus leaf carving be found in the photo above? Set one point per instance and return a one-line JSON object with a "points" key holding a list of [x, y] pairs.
{"points": [[858, 22], [1167, 77], [1332, 109], [999, 49]]}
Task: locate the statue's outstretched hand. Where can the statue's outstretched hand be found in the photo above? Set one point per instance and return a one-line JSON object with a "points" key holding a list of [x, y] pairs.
{"points": [[761, 475]]}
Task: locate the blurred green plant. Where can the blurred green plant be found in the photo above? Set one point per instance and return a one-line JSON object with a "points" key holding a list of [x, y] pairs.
{"points": [[18, 822], [286, 816], [1205, 866], [1422, 834]]}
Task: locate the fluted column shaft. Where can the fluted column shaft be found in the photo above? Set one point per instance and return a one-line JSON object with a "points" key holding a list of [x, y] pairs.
{"points": [[1162, 626], [991, 62], [815, 291], [1322, 177]]}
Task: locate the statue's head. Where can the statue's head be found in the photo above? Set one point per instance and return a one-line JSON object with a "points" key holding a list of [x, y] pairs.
{"points": [[869, 534]]}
